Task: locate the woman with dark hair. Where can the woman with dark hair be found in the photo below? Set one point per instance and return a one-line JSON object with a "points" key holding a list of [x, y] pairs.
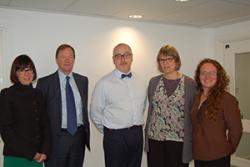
{"points": [[217, 127], [168, 131], [23, 119]]}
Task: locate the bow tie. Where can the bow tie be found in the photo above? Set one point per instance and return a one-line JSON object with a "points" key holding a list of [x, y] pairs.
{"points": [[129, 75]]}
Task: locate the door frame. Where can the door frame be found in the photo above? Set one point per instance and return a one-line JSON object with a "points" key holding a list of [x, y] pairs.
{"points": [[230, 50]]}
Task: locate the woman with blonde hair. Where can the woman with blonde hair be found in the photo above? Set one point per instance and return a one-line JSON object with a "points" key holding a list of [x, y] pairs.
{"points": [[168, 131]]}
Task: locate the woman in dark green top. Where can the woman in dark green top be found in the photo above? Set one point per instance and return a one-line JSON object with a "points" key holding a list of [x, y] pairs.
{"points": [[24, 122]]}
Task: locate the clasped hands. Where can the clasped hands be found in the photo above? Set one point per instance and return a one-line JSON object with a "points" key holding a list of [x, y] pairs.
{"points": [[40, 157]]}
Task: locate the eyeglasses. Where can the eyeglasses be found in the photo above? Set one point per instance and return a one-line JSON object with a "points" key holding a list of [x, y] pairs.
{"points": [[209, 74], [168, 59], [25, 70], [126, 55]]}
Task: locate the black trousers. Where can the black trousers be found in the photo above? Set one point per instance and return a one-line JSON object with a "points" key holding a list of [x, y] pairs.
{"points": [[222, 162], [68, 150], [165, 154], [123, 147]]}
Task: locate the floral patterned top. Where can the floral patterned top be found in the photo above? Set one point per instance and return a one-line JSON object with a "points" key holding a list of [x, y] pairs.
{"points": [[167, 121]]}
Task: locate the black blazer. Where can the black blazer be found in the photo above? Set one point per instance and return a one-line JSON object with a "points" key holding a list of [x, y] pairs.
{"points": [[24, 122], [50, 87]]}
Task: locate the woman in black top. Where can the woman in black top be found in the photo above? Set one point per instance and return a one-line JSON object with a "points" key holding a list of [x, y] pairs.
{"points": [[24, 122]]}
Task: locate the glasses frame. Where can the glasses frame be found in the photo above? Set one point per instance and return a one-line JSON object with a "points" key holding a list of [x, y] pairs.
{"points": [[125, 55], [209, 74], [168, 59]]}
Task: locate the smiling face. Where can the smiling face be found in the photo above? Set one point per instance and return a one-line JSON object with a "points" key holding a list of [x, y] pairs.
{"points": [[22, 70], [208, 76], [65, 60], [25, 76], [122, 58]]}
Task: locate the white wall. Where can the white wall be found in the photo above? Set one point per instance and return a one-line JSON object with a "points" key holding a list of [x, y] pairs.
{"points": [[38, 35], [1, 61], [233, 32], [230, 33], [238, 37]]}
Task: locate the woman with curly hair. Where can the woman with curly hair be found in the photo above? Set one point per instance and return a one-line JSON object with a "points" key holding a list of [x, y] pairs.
{"points": [[217, 126]]}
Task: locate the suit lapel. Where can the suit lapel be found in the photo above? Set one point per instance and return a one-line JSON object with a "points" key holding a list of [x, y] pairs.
{"points": [[80, 87], [57, 90]]}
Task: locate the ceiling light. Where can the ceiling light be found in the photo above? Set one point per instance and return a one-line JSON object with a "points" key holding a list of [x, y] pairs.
{"points": [[135, 16], [181, 0]]}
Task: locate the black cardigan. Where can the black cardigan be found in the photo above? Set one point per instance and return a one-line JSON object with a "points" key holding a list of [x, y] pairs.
{"points": [[24, 123]]}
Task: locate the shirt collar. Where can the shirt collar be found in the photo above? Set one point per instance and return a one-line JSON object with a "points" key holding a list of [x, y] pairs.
{"points": [[62, 76], [118, 73]]}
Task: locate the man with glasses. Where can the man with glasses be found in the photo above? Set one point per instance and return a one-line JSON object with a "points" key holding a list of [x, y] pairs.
{"points": [[117, 108]]}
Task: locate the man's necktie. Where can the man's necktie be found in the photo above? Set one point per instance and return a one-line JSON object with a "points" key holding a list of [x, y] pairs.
{"points": [[71, 109], [129, 75]]}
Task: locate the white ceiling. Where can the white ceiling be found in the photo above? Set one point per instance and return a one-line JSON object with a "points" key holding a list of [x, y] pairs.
{"points": [[197, 13]]}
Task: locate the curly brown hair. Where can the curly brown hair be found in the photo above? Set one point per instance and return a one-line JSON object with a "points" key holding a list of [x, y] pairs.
{"points": [[216, 91]]}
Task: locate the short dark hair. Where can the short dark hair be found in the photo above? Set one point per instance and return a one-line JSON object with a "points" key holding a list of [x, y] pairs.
{"points": [[170, 51], [64, 46], [21, 62]]}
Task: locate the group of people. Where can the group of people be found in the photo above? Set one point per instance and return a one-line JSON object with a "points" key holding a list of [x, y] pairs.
{"points": [[187, 119]]}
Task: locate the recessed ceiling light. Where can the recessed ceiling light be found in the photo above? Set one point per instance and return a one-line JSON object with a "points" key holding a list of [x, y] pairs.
{"points": [[181, 0], [135, 16]]}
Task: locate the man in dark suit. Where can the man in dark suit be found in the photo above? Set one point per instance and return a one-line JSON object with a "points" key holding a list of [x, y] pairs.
{"points": [[66, 95]]}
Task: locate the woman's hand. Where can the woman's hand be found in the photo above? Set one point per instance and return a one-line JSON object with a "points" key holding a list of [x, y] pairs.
{"points": [[40, 157], [37, 156]]}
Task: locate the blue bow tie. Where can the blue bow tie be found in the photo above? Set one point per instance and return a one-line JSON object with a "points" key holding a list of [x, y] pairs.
{"points": [[129, 75]]}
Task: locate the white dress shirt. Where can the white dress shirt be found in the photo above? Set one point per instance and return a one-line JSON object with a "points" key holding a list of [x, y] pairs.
{"points": [[118, 103], [78, 101]]}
